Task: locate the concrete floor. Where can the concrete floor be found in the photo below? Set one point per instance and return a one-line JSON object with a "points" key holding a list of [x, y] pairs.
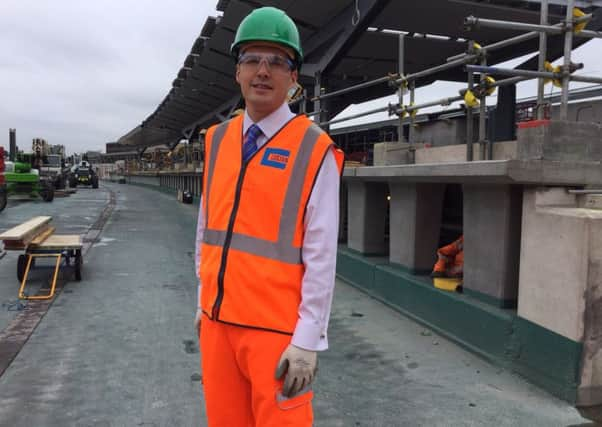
{"points": [[119, 347]]}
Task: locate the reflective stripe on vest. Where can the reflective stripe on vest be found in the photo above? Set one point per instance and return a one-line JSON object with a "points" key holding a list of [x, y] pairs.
{"points": [[218, 135]]}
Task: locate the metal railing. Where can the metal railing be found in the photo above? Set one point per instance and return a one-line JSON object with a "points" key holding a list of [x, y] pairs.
{"points": [[476, 54]]}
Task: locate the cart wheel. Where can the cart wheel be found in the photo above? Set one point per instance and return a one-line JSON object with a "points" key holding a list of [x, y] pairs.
{"points": [[78, 265], [21, 264]]}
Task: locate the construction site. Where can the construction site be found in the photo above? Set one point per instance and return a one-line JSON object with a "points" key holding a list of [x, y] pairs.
{"points": [[469, 261]]}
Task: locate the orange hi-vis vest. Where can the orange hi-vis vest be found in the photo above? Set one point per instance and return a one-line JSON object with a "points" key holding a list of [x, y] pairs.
{"points": [[251, 267]]}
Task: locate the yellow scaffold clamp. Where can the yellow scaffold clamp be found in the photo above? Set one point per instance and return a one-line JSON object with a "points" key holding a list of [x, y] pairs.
{"points": [[489, 88], [578, 13], [552, 69], [414, 112], [470, 99]]}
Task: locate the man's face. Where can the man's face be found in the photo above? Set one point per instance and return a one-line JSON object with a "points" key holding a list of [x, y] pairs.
{"points": [[265, 75]]}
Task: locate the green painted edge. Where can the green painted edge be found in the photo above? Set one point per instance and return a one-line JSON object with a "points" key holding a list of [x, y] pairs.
{"points": [[546, 359], [488, 299], [414, 271]]}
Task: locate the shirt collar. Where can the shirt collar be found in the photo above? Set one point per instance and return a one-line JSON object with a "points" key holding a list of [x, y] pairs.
{"points": [[270, 124]]}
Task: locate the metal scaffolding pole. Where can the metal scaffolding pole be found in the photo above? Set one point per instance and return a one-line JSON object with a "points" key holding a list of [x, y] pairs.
{"points": [[355, 87], [412, 116], [469, 118], [483, 114], [355, 116], [527, 36], [436, 69], [566, 72], [401, 70], [442, 101], [530, 74], [542, 59], [473, 21]]}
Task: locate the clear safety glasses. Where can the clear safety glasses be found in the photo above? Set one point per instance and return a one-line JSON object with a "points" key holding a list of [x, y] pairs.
{"points": [[274, 62]]}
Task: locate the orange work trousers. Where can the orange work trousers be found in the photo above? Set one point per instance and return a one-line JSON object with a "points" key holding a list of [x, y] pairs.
{"points": [[238, 366]]}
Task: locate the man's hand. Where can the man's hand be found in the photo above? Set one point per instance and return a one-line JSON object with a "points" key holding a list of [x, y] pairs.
{"points": [[197, 320], [300, 367]]}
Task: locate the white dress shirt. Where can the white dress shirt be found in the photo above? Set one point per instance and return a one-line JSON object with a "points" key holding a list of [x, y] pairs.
{"points": [[319, 244]]}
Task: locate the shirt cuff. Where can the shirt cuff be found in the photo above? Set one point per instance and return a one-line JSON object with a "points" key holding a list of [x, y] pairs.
{"points": [[309, 335]]}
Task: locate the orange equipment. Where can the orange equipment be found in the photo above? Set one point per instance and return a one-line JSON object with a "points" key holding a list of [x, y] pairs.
{"points": [[450, 260]]}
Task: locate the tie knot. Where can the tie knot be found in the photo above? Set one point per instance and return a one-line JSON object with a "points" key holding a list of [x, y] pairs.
{"points": [[253, 132]]}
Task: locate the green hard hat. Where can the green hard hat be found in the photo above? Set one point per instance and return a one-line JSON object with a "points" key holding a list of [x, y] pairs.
{"points": [[271, 25]]}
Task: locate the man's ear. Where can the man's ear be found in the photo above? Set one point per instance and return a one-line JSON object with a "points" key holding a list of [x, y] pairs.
{"points": [[237, 73], [294, 76]]}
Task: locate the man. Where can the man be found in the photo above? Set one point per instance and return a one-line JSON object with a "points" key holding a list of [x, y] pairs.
{"points": [[266, 240]]}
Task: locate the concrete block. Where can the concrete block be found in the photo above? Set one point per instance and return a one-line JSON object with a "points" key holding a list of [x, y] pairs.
{"points": [[506, 150], [560, 140], [366, 216], [554, 196], [561, 281], [414, 224], [590, 201], [391, 153], [492, 224]]}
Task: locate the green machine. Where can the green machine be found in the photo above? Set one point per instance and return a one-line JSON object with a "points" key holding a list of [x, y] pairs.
{"points": [[21, 178], [3, 195]]}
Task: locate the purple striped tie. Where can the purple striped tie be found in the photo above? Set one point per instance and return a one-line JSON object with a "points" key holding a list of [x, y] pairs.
{"points": [[250, 145]]}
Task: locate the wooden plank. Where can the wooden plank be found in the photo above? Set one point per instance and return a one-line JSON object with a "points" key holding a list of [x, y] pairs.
{"points": [[58, 241], [42, 236], [14, 245], [27, 230]]}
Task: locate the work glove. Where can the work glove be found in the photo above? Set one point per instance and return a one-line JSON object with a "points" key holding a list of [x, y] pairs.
{"points": [[300, 367], [197, 320]]}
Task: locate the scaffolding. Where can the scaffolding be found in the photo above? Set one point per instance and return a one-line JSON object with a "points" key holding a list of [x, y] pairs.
{"points": [[474, 61]]}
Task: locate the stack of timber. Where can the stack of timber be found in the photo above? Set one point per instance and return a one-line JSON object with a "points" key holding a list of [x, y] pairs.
{"points": [[21, 236]]}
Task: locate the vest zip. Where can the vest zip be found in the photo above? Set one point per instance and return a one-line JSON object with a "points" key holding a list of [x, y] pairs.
{"points": [[222, 270]]}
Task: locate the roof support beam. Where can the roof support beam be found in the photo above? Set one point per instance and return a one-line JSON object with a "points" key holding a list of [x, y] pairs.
{"points": [[343, 31], [229, 105]]}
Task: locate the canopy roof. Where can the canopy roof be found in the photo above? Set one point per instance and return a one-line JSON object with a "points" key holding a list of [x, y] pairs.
{"points": [[345, 45]]}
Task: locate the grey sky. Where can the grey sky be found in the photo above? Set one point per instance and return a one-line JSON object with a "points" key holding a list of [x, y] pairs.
{"points": [[83, 73]]}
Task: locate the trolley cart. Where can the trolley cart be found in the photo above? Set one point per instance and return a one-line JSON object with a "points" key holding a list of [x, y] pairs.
{"points": [[37, 239]]}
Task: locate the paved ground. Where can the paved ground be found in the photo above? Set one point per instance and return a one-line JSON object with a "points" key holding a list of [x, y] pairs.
{"points": [[119, 349]]}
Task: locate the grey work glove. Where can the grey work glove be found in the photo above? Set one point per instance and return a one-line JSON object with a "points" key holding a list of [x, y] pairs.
{"points": [[197, 320], [300, 367]]}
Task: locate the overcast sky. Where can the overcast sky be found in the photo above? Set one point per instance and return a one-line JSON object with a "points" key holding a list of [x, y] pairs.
{"points": [[84, 73]]}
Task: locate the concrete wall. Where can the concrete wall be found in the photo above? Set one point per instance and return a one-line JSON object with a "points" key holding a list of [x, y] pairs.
{"points": [[457, 153], [415, 221], [443, 132], [561, 141], [561, 276], [366, 216], [492, 227]]}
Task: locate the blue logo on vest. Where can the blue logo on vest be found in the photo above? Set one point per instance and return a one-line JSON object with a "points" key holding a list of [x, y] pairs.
{"points": [[275, 158]]}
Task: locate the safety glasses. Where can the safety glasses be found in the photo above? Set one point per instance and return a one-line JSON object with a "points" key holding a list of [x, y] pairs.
{"points": [[274, 62]]}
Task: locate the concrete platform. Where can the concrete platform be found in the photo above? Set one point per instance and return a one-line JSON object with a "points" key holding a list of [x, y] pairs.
{"points": [[534, 172], [119, 348]]}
